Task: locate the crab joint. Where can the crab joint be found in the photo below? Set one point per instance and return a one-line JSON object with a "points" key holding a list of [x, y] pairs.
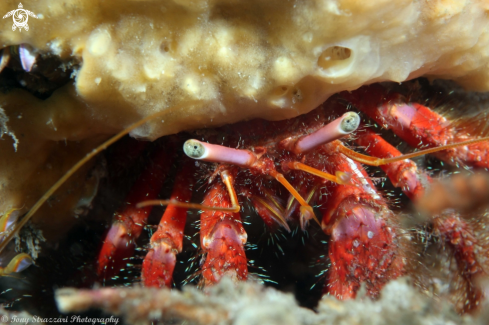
{"points": [[337, 129], [226, 179], [306, 210], [213, 152], [343, 178]]}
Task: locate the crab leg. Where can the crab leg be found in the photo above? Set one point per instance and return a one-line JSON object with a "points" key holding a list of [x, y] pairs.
{"points": [[404, 173], [418, 125], [459, 237], [166, 242], [129, 220], [363, 247], [222, 236]]}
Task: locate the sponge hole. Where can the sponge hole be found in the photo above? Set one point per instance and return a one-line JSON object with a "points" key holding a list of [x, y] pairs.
{"points": [[165, 47], [333, 56]]}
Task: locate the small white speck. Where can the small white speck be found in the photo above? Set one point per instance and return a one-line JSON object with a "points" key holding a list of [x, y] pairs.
{"points": [[370, 234]]}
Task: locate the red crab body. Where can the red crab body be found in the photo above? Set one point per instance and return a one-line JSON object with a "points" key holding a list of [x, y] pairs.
{"points": [[365, 241], [264, 164]]}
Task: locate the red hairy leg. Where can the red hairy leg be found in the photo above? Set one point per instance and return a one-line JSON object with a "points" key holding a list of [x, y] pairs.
{"points": [[459, 237], [222, 237], [404, 173], [456, 234], [166, 242], [129, 220], [418, 125], [363, 247]]}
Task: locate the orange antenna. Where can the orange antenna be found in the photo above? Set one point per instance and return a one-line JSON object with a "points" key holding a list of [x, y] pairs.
{"points": [[373, 161], [226, 179], [79, 164]]}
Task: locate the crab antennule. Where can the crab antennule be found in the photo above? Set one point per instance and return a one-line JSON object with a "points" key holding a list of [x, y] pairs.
{"points": [[337, 129], [186, 205], [373, 161], [404, 174], [128, 223], [227, 180], [79, 164], [420, 126], [216, 153]]}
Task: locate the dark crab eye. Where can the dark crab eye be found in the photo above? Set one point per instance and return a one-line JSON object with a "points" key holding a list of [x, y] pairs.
{"points": [[350, 122], [193, 149]]}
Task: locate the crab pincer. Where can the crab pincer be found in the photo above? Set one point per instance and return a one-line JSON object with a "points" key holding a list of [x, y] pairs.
{"points": [[363, 247]]}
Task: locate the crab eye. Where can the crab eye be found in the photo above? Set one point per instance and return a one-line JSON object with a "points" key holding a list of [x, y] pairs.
{"points": [[217, 153], [334, 130], [194, 149], [350, 122]]}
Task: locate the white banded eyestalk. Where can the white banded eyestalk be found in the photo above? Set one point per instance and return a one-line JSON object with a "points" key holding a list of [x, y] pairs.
{"points": [[216, 153], [335, 130]]}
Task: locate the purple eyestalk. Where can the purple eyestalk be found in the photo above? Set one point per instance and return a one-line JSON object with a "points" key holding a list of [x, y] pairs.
{"points": [[337, 129], [212, 152], [27, 57]]}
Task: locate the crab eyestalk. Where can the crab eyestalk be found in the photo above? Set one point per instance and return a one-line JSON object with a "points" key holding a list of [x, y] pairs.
{"points": [[335, 130], [215, 153]]}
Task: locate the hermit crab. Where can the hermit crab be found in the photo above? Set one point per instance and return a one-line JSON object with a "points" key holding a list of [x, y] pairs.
{"points": [[282, 170], [186, 71], [282, 177]]}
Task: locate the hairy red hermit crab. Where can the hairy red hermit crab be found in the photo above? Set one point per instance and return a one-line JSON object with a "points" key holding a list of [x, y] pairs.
{"points": [[201, 66]]}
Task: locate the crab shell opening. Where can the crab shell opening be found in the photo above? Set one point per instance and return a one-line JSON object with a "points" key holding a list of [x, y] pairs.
{"points": [[233, 60]]}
